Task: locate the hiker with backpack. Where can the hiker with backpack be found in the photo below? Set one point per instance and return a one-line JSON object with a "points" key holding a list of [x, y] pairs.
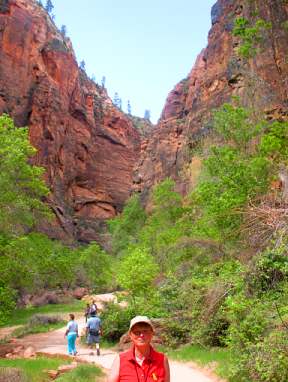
{"points": [[94, 331]]}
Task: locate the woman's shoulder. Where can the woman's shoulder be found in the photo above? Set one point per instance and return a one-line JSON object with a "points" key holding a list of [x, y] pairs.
{"points": [[127, 354]]}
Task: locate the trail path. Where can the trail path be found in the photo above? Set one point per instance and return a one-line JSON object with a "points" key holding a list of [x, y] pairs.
{"points": [[54, 343]]}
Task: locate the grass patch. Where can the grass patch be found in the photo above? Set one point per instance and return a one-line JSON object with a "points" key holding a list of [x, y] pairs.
{"points": [[22, 316], [34, 369], [83, 373], [28, 329], [203, 357]]}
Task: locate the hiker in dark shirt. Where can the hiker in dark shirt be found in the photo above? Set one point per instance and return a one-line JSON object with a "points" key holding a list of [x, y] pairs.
{"points": [[94, 331]]}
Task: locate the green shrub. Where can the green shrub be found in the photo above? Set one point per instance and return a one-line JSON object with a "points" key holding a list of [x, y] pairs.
{"points": [[116, 321], [83, 373], [265, 361], [176, 330], [39, 324], [268, 270], [7, 303], [251, 35]]}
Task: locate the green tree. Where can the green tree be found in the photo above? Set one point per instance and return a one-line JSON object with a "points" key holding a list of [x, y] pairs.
{"points": [[34, 262], [95, 266], [125, 227], [163, 226], [233, 174], [137, 272], [21, 186]]}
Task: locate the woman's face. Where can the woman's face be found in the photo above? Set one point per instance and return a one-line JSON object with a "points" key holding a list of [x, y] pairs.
{"points": [[141, 335]]}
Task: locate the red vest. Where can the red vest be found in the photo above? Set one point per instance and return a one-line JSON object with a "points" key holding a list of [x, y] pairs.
{"points": [[152, 369]]}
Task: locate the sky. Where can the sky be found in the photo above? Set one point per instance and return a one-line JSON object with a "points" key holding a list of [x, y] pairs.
{"points": [[142, 47]]}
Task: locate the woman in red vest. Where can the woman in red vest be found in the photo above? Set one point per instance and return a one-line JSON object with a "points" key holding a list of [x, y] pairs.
{"points": [[141, 363]]}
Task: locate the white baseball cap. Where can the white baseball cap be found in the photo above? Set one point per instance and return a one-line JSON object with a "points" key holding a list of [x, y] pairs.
{"points": [[140, 319]]}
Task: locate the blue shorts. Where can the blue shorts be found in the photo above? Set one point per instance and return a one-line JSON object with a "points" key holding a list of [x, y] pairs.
{"points": [[91, 339]]}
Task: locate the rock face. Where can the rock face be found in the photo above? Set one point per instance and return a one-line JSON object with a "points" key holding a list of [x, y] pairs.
{"points": [[87, 146], [218, 74]]}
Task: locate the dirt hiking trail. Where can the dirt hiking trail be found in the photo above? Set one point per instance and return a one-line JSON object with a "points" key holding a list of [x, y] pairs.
{"points": [[53, 343]]}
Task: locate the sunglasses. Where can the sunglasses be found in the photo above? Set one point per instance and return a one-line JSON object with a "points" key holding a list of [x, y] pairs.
{"points": [[144, 332]]}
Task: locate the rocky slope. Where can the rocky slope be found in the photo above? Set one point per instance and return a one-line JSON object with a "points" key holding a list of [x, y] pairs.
{"points": [[218, 74], [87, 146]]}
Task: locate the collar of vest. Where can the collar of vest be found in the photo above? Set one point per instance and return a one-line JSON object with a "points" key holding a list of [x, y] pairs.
{"points": [[149, 359]]}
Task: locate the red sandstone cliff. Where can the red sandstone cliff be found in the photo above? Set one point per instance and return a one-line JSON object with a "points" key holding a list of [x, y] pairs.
{"points": [[87, 146], [217, 75]]}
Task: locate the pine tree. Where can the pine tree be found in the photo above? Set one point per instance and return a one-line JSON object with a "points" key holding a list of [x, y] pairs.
{"points": [[39, 2], [82, 65], [63, 30], [147, 114], [116, 99], [120, 103], [128, 107], [103, 80], [49, 6]]}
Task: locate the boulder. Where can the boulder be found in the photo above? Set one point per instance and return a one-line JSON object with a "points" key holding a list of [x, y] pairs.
{"points": [[66, 368], [29, 352], [53, 374], [45, 298], [79, 293]]}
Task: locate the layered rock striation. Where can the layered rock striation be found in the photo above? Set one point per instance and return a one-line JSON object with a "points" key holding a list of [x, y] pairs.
{"points": [[218, 74], [87, 146]]}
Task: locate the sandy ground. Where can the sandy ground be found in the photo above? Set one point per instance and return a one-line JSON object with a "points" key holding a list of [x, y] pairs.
{"points": [[55, 343]]}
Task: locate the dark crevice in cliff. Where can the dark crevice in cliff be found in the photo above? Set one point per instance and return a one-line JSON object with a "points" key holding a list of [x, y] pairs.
{"points": [[109, 138], [4, 6]]}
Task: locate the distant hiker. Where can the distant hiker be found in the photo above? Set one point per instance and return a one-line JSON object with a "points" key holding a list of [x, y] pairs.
{"points": [[93, 308], [87, 312], [141, 362], [93, 331], [71, 334]]}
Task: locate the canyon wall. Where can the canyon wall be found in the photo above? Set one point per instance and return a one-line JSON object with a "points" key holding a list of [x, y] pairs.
{"points": [[93, 156], [87, 146], [218, 74]]}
